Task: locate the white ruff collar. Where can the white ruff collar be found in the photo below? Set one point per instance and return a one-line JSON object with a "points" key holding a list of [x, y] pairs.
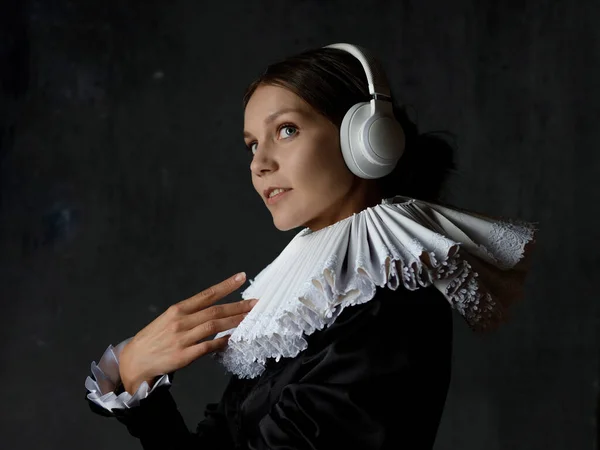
{"points": [[478, 262]]}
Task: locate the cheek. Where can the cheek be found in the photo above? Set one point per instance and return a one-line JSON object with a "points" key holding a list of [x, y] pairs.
{"points": [[332, 160], [323, 169], [314, 166]]}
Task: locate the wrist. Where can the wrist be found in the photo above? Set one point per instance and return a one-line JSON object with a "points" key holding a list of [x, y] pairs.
{"points": [[130, 383], [130, 378], [132, 386]]}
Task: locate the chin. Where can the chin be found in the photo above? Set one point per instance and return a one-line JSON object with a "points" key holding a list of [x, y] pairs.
{"points": [[285, 225]]}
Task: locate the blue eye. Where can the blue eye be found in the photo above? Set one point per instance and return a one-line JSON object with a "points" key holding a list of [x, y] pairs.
{"points": [[288, 126], [250, 148]]}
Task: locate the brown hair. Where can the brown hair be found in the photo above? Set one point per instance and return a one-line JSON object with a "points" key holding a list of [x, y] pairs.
{"points": [[331, 81]]}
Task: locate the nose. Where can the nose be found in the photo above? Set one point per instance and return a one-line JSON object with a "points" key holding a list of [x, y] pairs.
{"points": [[263, 161]]}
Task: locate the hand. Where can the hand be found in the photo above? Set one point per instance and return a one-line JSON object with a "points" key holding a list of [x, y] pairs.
{"points": [[173, 340]]}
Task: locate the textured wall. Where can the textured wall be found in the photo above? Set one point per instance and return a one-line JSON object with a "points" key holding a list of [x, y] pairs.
{"points": [[124, 187]]}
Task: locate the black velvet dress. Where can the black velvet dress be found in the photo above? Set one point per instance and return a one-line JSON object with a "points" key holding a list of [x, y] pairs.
{"points": [[377, 378]]}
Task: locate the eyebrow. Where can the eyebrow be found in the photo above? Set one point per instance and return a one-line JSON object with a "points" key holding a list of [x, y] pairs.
{"points": [[271, 117]]}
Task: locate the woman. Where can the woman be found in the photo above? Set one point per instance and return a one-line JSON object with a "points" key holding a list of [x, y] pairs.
{"points": [[325, 351]]}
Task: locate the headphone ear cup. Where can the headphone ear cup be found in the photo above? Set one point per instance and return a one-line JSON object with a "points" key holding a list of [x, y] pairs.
{"points": [[365, 138], [386, 138], [349, 129]]}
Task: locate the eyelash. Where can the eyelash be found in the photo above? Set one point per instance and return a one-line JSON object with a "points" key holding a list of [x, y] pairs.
{"points": [[279, 128]]}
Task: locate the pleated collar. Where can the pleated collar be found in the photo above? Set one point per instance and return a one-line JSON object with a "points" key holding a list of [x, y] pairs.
{"points": [[478, 262]]}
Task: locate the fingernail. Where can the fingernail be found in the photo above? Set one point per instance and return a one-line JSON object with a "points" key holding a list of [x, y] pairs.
{"points": [[253, 302], [240, 276]]}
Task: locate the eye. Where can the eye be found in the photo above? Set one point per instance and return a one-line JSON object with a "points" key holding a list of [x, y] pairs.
{"points": [[288, 126], [249, 147]]}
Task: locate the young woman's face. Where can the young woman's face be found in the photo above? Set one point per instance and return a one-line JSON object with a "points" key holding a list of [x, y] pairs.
{"points": [[297, 148]]}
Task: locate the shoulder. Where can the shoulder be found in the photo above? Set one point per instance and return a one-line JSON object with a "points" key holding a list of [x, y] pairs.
{"points": [[400, 313], [395, 331]]}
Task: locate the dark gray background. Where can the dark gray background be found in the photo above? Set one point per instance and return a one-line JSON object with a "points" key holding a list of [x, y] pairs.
{"points": [[125, 188]]}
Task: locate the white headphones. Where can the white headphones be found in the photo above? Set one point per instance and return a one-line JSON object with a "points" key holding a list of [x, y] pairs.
{"points": [[371, 138]]}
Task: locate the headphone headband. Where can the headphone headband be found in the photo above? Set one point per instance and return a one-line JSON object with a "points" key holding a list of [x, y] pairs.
{"points": [[376, 79]]}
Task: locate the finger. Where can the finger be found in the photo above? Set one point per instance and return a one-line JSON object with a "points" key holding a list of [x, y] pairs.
{"points": [[196, 351], [210, 328], [217, 312], [211, 295]]}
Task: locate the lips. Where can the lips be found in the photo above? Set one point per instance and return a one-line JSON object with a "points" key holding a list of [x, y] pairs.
{"points": [[276, 198], [268, 191]]}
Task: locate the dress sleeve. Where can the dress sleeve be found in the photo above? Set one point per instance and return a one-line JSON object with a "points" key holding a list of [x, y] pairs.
{"points": [[376, 378], [151, 415], [159, 425]]}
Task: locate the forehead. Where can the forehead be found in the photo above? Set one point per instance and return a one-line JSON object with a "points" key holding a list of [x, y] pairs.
{"points": [[267, 100]]}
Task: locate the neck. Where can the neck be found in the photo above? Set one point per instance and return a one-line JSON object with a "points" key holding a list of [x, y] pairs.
{"points": [[362, 195]]}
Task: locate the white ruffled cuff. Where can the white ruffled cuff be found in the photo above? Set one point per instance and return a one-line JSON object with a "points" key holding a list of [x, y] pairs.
{"points": [[107, 378]]}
